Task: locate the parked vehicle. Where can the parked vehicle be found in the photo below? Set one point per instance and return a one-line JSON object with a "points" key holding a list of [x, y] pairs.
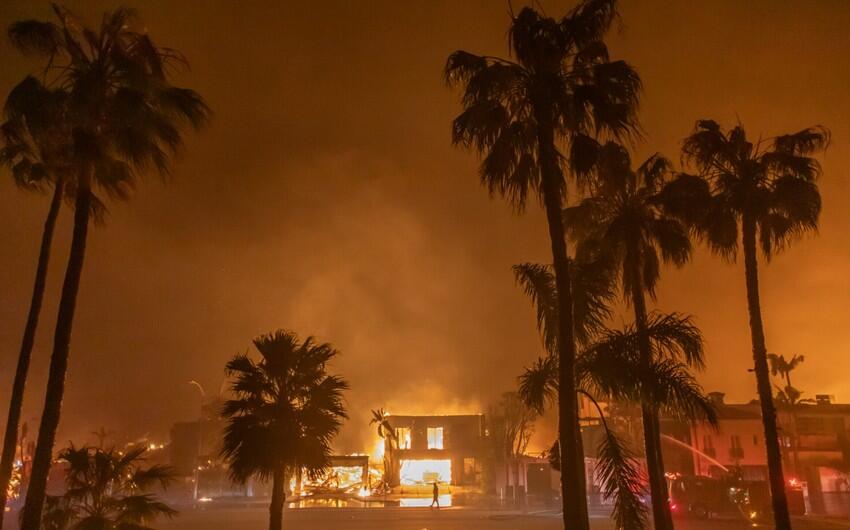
{"points": [[702, 497]]}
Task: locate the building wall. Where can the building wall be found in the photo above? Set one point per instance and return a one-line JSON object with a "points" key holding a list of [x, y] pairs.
{"points": [[463, 437], [820, 433], [736, 443]]}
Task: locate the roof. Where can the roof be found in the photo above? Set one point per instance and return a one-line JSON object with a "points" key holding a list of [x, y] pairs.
{"points": [[738, 412], [428, 416]]}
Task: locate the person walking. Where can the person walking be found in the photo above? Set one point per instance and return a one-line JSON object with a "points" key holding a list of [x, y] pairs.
{"points": [[436, 499]]}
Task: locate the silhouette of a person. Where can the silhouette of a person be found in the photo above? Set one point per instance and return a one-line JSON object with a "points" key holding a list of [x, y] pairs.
{"points": [[436, 496]]}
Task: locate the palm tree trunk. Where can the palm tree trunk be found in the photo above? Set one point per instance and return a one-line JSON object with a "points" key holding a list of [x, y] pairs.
{"points": [[794, 435], [10, 439], [651, 424], [31, 519], [795, 440], [278, 499], [768, 410], [573, 488]]}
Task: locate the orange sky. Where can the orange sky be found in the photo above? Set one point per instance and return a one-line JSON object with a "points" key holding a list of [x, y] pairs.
{"points": [[325, 197]]}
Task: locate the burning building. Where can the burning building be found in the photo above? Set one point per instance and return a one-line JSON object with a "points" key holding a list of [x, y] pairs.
{"points": [[445, 449], [345, 473]]}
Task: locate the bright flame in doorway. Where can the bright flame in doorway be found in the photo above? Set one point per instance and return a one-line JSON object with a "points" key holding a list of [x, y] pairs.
{"points": [[425, 471]]}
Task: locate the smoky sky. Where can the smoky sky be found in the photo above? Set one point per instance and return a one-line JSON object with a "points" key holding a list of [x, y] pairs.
{"points": [[325, 197]]}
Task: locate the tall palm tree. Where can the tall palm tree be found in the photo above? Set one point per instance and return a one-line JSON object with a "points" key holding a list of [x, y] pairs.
{"points": [[608, 367], [107, 490], [625, 222], [380, 419], [766, 192], [559, 85], [285, 412], [35, 149], [124, 117]]}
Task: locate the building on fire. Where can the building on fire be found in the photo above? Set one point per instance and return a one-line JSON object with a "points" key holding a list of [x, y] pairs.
{"points": [[445, 449]]}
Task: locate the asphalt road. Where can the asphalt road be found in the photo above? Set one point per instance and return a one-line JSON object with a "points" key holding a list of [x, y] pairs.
{"points": [[422, 519], [256, 518]]}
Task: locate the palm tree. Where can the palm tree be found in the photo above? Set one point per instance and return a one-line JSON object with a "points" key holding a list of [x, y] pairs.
{"points": [[624, 221], [789, 396], [612, 367], [559, 85], [35, 149], [124, 117], [782, 367], [285, 412], [609, 367], [107, 490], [766, 192], [380, 418]]}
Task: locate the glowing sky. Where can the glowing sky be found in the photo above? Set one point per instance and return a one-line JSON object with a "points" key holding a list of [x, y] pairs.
{"points": [[325, 197]]}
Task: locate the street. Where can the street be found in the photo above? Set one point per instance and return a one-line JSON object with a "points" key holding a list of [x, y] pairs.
{"points": [[423, 519]]}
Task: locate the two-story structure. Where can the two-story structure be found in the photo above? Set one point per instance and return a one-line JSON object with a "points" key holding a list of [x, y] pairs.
{"points": [[738, 442], [814, 438], [445, 449]]}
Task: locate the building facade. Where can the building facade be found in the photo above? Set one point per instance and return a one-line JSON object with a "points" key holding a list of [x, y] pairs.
{"points": [[444, 449], [814, 438]]}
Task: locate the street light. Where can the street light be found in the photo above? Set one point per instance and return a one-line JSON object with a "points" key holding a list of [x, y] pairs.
{"points": [[195, 466]]}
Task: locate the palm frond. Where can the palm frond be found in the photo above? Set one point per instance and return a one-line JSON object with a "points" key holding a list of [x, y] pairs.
{"points": [[538, 385], [622, 480], [675, 336], [35, 37]]}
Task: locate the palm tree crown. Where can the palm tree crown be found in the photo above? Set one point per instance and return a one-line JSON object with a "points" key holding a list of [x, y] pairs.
{"points": [[610, 367], [783, 367], [380, 418], [562, 66], [770, 183], [107, 489], [625, 221], [286, 408], [123, 113], [36, 135]]}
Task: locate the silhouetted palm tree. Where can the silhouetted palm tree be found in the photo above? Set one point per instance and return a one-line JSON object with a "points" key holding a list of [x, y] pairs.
{"points": [[35, 145], [285, 413], [609, 367], [387, 433], [559, 85], [789, 396], [624, 221], [766, 191], [107, 490], [782, 367], [124, 117], [612, 367]]}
